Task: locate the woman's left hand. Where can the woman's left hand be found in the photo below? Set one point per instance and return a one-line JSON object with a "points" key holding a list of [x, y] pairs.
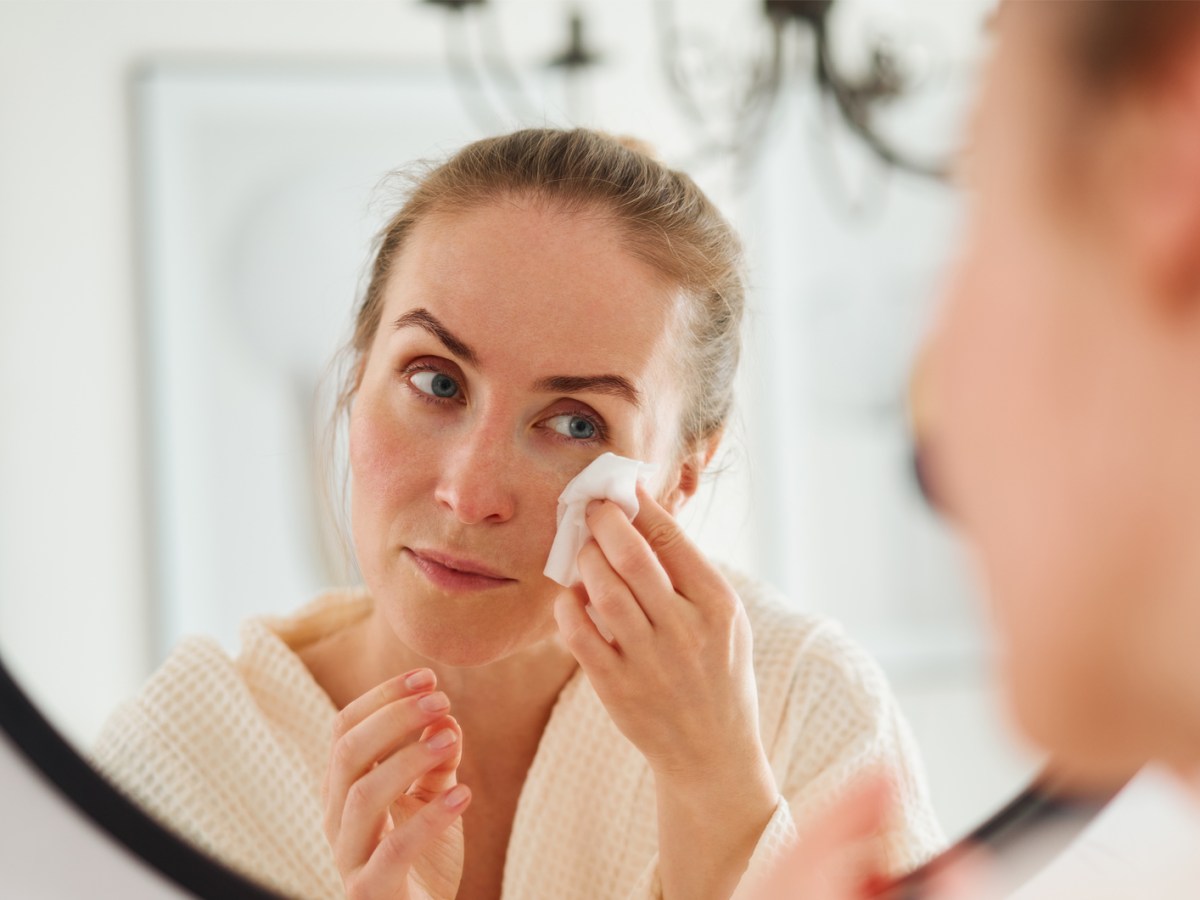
{"points": [[678, 681]]}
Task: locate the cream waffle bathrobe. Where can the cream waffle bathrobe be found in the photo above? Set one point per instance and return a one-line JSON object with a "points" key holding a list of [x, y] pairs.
{"points": [[231, 754]]}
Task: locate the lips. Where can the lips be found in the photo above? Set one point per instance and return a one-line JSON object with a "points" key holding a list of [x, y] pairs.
{"points": [[456, 573]]}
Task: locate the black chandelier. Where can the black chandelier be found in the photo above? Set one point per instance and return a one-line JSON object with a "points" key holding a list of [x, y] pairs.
{"points": [[859, 99]]}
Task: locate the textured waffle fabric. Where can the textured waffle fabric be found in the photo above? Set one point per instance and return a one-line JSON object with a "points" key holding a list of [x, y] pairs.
{"points": [[231, 754]]}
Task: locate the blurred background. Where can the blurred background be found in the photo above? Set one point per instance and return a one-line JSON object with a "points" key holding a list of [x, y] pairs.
{"points": [[188, 191]]}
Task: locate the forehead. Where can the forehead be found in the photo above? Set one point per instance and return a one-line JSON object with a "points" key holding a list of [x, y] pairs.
{"points": [[531, 284]]}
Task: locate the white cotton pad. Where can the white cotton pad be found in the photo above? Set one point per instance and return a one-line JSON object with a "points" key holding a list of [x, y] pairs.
{"points": [[609, 477]]}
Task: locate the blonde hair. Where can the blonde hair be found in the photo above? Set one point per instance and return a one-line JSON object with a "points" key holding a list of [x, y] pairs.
{"points": [[666, 219]]}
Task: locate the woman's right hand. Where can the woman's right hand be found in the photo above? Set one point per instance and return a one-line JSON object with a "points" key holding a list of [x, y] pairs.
{"points": [[393, 805]]}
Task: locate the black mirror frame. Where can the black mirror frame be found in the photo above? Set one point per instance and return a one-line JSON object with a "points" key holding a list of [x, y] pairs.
{"points": [[94, 797], [1042, 821]]}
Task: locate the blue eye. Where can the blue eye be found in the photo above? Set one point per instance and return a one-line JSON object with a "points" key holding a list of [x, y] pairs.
{"points": [[578, 428], [436, 384]]}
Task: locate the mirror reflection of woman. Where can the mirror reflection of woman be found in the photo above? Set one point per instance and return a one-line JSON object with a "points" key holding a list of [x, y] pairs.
{"points": [[460, 727]]}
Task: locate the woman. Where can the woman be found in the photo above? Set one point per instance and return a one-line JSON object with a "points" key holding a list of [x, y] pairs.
{"points": [[540, 299], [1065, 376]]}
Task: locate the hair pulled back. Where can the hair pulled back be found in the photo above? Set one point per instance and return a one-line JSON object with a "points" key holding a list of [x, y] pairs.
{"points": [[664, 218], [1114, 43]]}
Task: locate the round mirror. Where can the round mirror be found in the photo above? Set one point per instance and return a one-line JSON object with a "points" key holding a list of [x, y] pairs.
{"points": [[189, 204]]}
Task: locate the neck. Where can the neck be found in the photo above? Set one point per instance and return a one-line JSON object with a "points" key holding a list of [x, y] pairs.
{"points": [[509, 694], [507, 699]]}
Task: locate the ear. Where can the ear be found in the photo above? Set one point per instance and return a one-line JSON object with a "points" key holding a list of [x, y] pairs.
{"points": [[1156, 162], [686, 480]]}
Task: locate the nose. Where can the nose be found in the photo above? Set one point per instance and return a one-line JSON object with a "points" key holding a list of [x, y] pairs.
{"points": [[477, 479]]}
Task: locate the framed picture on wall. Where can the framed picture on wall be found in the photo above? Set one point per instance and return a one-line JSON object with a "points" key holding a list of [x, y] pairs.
{"points": [[260, 189]]}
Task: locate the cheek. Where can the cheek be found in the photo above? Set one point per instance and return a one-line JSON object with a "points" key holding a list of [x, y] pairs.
{"points": [[385, 469], [1027, 447], [373, 452], [992, 389], [1004, 384]]}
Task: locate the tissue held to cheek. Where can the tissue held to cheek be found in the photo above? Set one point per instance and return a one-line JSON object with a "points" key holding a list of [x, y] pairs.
{"points": [[608, 477]]}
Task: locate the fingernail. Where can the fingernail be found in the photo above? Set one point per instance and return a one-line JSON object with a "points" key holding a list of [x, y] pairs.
{"points": [[442, 739], [457, 796], [434, 702], [417, 679], [593, 506]]}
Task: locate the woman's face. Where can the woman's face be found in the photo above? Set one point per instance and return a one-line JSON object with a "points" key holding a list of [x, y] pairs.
{"points": [[517, 343], [1057, 389]]}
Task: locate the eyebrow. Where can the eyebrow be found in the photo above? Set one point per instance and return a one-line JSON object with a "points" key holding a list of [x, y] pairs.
{"points": [[610, 385], [423, 318]]}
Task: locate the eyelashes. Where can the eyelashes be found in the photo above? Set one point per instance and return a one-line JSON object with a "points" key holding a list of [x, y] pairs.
{"points": [[433, 384]]}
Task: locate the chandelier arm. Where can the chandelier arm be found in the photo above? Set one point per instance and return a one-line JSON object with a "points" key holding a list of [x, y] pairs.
{"points": [[858, 203], [668, 40], [854, 107], [761, 102]]}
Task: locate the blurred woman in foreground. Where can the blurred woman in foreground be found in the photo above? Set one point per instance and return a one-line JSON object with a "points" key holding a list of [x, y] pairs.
{"points": [[1065, 374]]}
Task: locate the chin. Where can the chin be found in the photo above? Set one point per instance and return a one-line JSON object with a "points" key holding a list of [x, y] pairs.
{"points": [[477, 638], [1090, 735]]}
